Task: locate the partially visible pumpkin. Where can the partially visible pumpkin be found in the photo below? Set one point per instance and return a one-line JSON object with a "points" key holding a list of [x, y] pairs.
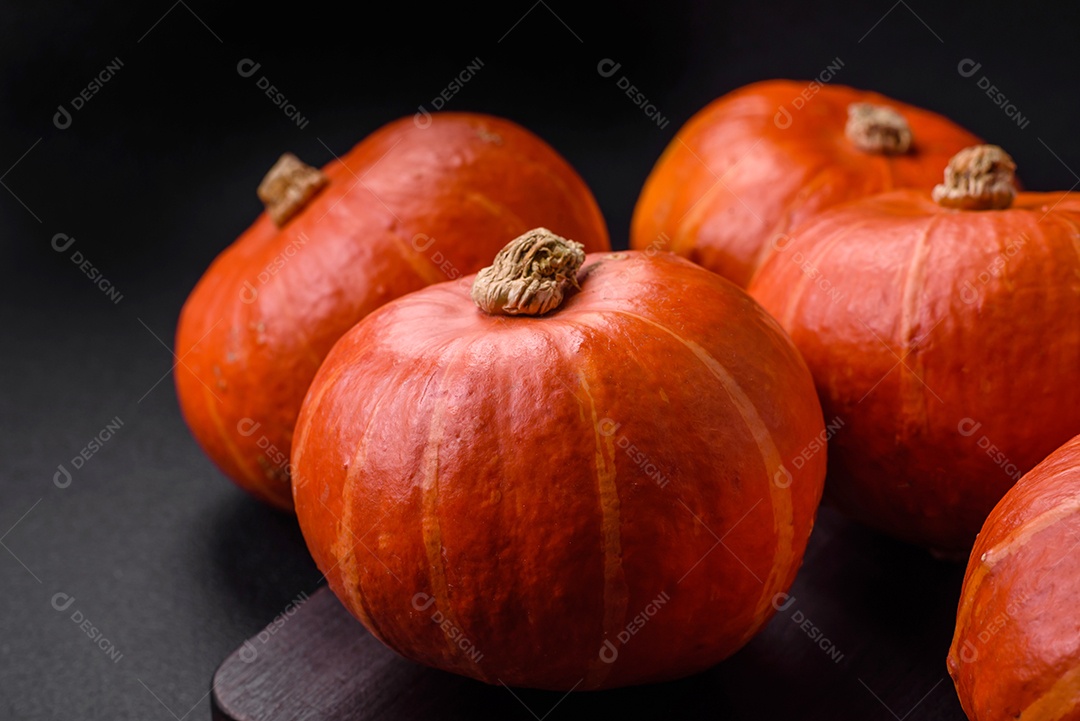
{"points": [[1016, 652], [762, 159], [944, 337], [407, 207], [604, 492]]}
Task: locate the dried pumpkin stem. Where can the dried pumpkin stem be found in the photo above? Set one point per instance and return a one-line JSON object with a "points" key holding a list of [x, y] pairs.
{"points": [[981, 177], [530, 275], [288, 187], [877, 129]]}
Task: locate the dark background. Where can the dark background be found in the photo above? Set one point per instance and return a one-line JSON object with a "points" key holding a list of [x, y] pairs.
{"points": [[156, 175]]}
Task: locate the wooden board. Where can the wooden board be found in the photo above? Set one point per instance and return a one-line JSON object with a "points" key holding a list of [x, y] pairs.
{"points": [[864, 636]]}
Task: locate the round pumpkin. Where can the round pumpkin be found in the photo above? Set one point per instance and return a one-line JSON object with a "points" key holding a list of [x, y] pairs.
{"points": [[1016, 652], [413, 204], [944, 337], [576, 496], [762, 159]]}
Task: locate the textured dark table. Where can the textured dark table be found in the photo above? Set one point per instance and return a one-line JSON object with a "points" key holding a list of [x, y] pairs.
{"points": [[126, 586]]}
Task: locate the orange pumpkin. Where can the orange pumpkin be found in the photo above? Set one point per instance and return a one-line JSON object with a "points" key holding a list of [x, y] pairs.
{"points": [[407, 207], [944, 337], [762, 159], [1016, 652], [573, 496]]}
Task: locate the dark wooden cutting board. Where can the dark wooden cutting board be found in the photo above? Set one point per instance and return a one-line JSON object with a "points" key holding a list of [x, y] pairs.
{"points": [[864, 637]]}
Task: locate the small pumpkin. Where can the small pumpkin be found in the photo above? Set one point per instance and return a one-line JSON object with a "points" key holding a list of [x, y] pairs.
{"points": [[407, 207], [1016, 651], [760, 160], [588, 482], [943, 333]]}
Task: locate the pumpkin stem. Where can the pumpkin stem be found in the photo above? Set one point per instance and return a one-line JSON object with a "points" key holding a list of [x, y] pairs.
{"points": [[530, 275], [288, 187], [877, 129], [978, 178]]}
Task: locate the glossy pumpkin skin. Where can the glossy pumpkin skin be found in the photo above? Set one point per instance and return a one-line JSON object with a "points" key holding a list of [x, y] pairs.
{"points": [[982, 307], [407, 207], [1016, 652], [740, 172], [540, 483]]}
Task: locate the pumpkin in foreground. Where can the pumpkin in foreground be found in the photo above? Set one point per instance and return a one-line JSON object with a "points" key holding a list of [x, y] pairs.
{"points": [[944, 337], [1016, 652], [764, 158], [569, 489], [407, 207]]}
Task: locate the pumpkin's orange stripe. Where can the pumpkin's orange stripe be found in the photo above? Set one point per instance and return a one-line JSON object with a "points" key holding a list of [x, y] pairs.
{"points": [[912, 392], [616, 591], [1020, 536], [1058, 701], [496, 209], [819, 178], [1066, 217], [300, 441], [432, 531], [694, 217], [796, 293], [347, 541], [219, 426], [783, 512], [419, 262], [1010, 544]]}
